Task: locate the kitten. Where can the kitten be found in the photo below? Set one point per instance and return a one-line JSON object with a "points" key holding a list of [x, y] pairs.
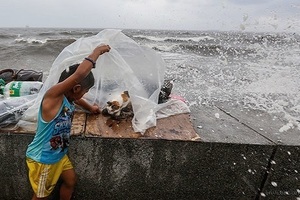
{"points": [[118, 104]]}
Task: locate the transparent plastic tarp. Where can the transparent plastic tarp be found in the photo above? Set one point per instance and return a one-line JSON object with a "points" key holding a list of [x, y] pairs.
{"points": [[127, 67], [12, 108]]}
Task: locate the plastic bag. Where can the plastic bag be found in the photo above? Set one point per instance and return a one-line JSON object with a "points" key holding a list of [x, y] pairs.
{"points": [[12, 109], [127, 67]]}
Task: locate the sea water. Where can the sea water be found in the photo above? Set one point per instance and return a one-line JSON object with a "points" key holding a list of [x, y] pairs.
{"points": [[254, 69]]}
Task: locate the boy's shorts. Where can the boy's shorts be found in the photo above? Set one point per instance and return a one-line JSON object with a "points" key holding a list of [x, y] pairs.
{"points": [[43, 177]]}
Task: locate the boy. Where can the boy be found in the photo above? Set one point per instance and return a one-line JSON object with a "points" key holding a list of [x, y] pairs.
{"points": [[46, 155]]}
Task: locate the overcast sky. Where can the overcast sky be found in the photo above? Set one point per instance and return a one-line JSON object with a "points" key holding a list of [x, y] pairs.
{"points": [[244, 15]]}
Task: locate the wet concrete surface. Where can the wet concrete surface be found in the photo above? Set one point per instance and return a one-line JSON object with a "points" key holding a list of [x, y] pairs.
{"points": [[233, 123], [214, 125], [273, 127]]}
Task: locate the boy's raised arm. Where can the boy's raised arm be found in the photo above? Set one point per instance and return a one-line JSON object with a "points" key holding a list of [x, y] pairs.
{"points": [[54, 96], [81, 72]]}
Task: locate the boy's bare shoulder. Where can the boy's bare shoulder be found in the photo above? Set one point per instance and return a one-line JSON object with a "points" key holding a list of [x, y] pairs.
{"points": [[50, 105]]}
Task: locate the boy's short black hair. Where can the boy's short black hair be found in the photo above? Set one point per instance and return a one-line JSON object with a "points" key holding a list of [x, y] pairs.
{"points": [[86, 83]]}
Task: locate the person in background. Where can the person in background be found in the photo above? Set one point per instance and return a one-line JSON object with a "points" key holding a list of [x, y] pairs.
{"points": [[46, 155]]}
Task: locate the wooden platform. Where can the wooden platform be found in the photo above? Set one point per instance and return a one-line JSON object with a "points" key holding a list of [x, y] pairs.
{"points": [[177, 127]]}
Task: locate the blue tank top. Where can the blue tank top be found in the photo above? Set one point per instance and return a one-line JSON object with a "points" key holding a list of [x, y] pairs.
{"points": [[51, 140]]}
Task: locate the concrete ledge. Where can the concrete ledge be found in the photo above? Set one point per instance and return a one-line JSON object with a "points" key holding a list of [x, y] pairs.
{"points": [[146, 169]]}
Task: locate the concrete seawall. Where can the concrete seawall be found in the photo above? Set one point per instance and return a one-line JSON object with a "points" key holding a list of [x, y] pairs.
{"points": [[160, 169], [237, 160]]}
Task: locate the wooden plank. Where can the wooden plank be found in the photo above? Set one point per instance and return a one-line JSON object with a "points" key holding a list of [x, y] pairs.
{"points": [[177, 127], [78, 124], [100, 126]]}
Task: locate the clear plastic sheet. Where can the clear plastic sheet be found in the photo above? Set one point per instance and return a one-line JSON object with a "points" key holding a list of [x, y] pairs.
{"points": [[128, 66], [12, 109]]}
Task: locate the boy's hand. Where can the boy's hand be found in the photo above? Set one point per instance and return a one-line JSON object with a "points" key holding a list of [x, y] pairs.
{"points": [[101, 49], [94, 109]]}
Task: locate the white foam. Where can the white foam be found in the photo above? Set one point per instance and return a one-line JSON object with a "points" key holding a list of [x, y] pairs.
{"points": [[279, 83], [286, 127], [30, 40]]}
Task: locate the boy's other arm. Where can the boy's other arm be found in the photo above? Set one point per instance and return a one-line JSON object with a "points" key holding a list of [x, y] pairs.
{"points": [[94, 109]]}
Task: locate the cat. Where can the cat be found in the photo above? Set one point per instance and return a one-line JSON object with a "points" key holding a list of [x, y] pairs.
{"points": [[119, 106]]}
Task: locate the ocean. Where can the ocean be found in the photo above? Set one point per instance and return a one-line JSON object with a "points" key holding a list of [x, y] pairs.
{"points": [[255, 70]]}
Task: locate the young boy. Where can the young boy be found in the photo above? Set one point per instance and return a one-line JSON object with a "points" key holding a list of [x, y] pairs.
{"points": [[46, 155]]}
